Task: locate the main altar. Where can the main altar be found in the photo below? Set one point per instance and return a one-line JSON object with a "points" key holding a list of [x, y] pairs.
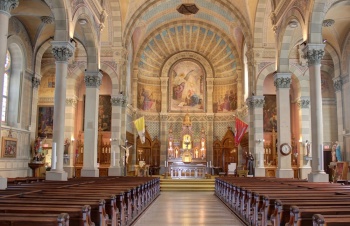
{"points": [[187, 159]]}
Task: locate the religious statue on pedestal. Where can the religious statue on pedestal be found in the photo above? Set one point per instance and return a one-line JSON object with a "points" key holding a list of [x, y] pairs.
{"points": [[338, 152]]}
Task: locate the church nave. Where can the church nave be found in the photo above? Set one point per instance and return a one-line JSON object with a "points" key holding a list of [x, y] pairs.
{"points": [[187, 209]]}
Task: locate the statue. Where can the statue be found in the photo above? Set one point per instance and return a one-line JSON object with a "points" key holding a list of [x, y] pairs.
{"points": [[334, 147], [126, 148], [250, 164], [338, 152], [307, 148]]}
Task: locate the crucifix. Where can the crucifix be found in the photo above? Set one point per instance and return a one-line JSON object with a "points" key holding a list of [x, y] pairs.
{"points": [[126, 149]]}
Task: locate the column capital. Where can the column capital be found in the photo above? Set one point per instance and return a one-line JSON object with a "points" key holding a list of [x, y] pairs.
{"points": [[71, 101], [36, 82], [62, 51], [119, 100], [93, 79], [8, 5], [338, 84], [255, 102], [304, 102], [313, 53], [282, 80]]}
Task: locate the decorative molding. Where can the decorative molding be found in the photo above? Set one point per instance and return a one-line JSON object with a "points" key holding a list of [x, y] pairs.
{"points": [[282, 82], [163, 118], [62, 51], [50, 100], [255, 102], [338, 84], [71, 101], [8, 5], [328, 23], [47, 19], [304, 102], [93, 79], [35, 82]]}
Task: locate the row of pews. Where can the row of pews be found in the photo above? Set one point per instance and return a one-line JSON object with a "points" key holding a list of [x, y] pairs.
{"points": [[115, 201], [292, 202]]}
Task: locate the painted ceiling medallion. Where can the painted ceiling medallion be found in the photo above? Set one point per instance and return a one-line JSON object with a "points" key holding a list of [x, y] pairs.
{"points": [[187, 9]]}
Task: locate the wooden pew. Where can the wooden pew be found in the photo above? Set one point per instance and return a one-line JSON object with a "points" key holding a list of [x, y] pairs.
{"points": [[330, 220], [21, 219]]}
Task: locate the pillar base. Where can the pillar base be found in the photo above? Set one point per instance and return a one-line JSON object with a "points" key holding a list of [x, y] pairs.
{"points": [[112, 171], [259, 172], [284, 173], [56, 175], [318, 177], [69, 170], [90, 172], [304, 172], [3, 183]]}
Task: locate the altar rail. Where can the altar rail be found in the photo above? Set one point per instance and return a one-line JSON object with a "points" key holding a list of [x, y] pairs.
{"points": [[187, 171]]}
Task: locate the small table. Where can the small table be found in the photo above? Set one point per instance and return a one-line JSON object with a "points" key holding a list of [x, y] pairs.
{"points": [[35, 168]]}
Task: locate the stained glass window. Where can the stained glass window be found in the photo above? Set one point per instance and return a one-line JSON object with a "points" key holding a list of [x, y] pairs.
{"points": [[7, 61]]}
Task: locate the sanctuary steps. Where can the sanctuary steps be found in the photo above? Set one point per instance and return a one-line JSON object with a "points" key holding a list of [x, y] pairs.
{"points": [[174, 185]]}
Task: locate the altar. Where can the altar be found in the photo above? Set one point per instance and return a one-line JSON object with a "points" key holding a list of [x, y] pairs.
{"points": [[187, 171]]}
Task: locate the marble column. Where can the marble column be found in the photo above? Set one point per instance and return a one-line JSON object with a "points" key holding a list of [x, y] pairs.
{"points": [[62, 51], [314, 54], [115, 168], [5, 7], [256, 127], [338, 85], [35, 99], [92, 82], [282, 83], [210, 120], [305, 132], [164, 128]]}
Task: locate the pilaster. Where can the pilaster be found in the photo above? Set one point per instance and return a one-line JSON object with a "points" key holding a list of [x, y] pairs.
{"points": [[255, 105], [92, 82], [338, 88], [282, 82], [210, 88], [163, 141]]}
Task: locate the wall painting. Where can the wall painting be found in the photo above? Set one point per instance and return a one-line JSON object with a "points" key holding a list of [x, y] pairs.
{"points": [[225, 99], [45, 121], [270, 113]]}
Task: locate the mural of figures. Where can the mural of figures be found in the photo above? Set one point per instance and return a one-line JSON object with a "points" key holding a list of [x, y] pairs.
{"points": [[187, 87], [148, 98], [104, 113], [45, 121], [225, 99], [270, 113]]}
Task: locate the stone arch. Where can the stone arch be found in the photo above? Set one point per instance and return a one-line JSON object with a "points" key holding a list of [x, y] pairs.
{"points": [[259, 23], [108, 69], [336, 60], [39, 56], [91, 37], [16, 83], [346, 56], [114, 18], [59, 10], [270, 68], [315, 23], [149, 5]]}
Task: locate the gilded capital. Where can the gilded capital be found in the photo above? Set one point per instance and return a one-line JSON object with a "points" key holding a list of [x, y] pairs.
{"points": [[8, 5], [71, 101]]}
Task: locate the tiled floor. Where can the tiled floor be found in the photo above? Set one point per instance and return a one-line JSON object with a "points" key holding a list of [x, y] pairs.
{"points": [[187, 209]]}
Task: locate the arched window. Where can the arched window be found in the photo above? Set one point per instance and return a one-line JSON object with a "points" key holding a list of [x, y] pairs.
{"points": [[5, 91]]}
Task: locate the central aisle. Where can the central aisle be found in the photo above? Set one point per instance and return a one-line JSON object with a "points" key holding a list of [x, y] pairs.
{"points": [[188, 209]]}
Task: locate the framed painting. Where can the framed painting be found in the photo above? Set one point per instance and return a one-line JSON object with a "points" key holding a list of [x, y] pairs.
{"points": [[9, 147], [104, 113], [270, 113], [45, 121], [187, 87]]}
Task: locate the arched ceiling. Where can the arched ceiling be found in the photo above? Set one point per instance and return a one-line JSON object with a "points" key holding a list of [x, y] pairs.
{"points": [[207, 41]]}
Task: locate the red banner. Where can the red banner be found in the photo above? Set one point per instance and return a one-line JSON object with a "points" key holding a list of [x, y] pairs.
{"points": [[241, 128]]}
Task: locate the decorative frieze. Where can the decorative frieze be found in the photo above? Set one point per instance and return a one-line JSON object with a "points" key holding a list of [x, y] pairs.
{"points": [[314, 56], [337, 83], [255, 102], [71, 101], [61, 53], [304, 102], [35, 82], [92, 80], [8, 5], [47, 19], [282, 82]]}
